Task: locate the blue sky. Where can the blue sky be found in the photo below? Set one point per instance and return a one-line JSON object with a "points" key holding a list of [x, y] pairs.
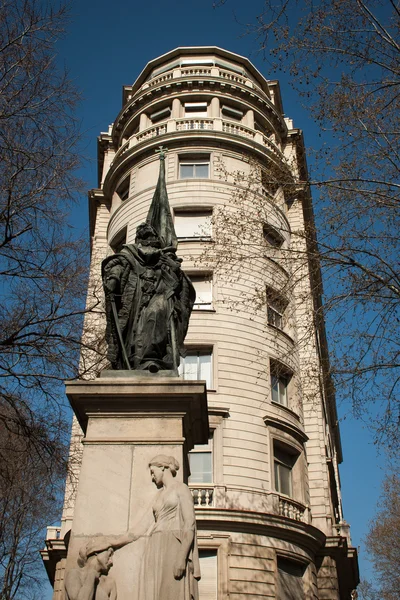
{"points": [[106, 46]]}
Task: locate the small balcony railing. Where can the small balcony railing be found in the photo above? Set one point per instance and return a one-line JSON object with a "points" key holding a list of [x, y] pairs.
{"points": [[53, 533], [191, 124], [291, 509], [202, 495]]}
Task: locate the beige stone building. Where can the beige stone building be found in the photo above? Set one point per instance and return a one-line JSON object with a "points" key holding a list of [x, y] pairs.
{"points": [[266, 487]]}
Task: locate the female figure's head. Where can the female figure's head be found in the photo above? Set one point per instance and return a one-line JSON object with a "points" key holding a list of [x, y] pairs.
{"points": [[162, 468]]}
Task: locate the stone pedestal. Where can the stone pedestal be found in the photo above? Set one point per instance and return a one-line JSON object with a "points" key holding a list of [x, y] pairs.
{"points": [[127, 420]]}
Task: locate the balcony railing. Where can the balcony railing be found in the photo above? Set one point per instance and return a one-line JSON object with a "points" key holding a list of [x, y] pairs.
{"points": [[202, 496], [190, 124], [291, 509], [199, 71], [53, 533], [197, 124], [149, 133]]}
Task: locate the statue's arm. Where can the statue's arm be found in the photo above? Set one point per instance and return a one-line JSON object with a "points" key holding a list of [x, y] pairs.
{"points": [[102, 543], [188, 530]]}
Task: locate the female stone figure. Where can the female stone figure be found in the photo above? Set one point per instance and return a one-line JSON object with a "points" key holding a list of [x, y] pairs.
{"points": [[170, 567]]}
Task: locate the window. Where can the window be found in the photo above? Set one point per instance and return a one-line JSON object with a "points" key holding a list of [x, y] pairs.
{"points": [[196, 109], [119, 240], [193, 224], [123, 188], [200, 462], [202, 285], [197, 365], [209, 574], [272, 236], [279, 385], [280, 379], [290, 579], [276, 306], [232, 113], [283, 465], [195, 168], [160, 115]]}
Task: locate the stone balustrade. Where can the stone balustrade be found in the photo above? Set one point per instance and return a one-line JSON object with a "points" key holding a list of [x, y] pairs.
{"points": [[199, 71], [205, 496], [199, 124], [202, 496], [53, 533], [190, 71], [291, 509], [190, 124]]}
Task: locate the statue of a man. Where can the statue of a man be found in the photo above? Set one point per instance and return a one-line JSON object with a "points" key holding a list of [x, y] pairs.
{"points": [[148, 297], [148, 304]]}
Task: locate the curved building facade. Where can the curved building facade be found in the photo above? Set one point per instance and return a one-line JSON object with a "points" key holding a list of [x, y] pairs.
{"points": [[266, 487]]}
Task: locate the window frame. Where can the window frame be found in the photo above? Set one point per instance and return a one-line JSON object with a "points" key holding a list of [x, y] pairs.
{"points": [[199, 351], [289, 563], [272, 236], [207, 212], [119, 240], [280, 378], [203, 449], [283, 463], [193, 110], [205, 277], [194, 159], [276, 308]]}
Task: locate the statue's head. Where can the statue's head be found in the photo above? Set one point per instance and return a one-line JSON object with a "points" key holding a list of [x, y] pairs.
{"points": [[159, 464], [103, 558], [146, 235]]}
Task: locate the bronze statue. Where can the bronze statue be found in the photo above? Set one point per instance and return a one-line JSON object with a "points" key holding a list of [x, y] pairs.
{"points": [[148, 297]]}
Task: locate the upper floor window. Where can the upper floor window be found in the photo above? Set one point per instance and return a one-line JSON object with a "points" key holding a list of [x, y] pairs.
{"points": [[195, 109], [276, 306], [280, 379], [194, 168], [200, 462], [283, 466], [193, 224], [123, 188], [272, 236], [161, 115], [119, 240], [232, 113], [197, 365], [203, 286]]}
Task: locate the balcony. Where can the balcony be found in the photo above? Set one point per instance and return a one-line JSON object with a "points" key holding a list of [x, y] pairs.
{"points": [[199, 71], [213, 496], [223, 126]]}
